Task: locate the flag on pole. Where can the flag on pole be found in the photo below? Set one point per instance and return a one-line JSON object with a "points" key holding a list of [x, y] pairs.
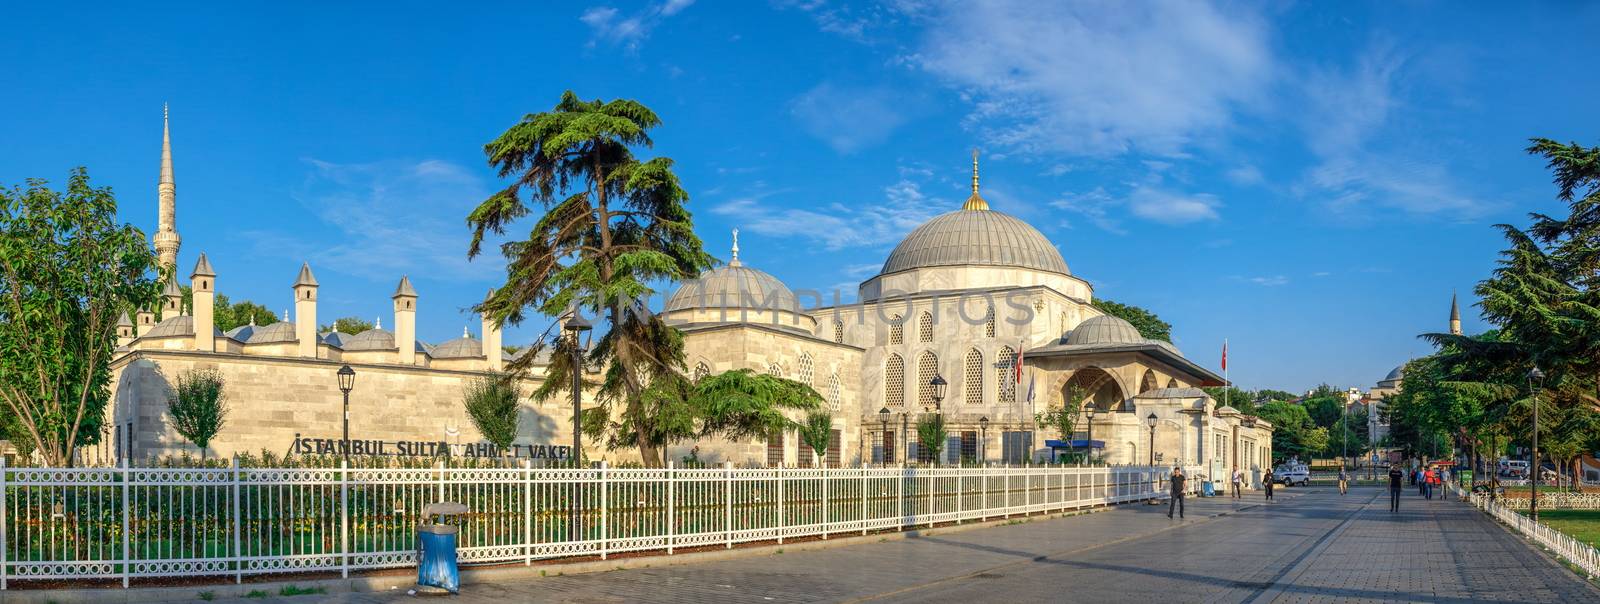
{"points": [[1021, 346], [1031, 379], [1224, 354]]}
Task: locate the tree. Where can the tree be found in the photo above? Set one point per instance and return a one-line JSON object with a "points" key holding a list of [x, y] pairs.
{"points": [[1325, 409], [199, 406], [612, 225], [1293, 433], [492, 401], [1243, 400], [350, 325], [229, 315], [1149, 325], [67, 272], [816, 432], [931, 435], [1065, 418]]}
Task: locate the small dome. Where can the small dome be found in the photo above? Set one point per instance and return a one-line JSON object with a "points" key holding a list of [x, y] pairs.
{"points": [[282, 331], [1396, 374], [734, 286], [336, 339], [465, 347], [1105, 329], [975, 237], [241, 333], [179, 326], [371, 339]]}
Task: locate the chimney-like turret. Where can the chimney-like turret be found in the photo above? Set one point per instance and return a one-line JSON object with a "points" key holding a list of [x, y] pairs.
{"points": [[171, 299], [405, 321], [203, 285], [124, 330], [305, 311], [491, 341], [146, 319]]}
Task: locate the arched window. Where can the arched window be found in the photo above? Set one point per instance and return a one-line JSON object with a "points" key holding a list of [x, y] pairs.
{"points": [[774, 370], [1005, 374], [894, 381], [925, 327], [897, 330], [806, 372], [927, 367], [835, 393], [838, 331], [1172, 383], [988, 324], [1148, 383], [701, 371], [973, 370]]}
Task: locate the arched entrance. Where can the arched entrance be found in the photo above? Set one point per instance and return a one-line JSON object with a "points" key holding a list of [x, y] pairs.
{"points": [[1148, 383], [1095, 387]]}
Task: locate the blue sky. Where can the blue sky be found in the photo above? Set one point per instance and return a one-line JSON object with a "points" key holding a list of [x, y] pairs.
{"points": [[1309, 180]]}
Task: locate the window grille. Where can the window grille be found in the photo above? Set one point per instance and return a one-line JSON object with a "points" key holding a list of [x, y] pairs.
{"points": [[927, 367], [1016, 446], [988, 324], [835, 455], [969, 445], [701, 371], [775, 450], [886, 451], [897, 330], [838, 331], [806, 369], [925, 327], [974, 377], [1005, 374], [835, 393], [894, 381], [774, 370]]}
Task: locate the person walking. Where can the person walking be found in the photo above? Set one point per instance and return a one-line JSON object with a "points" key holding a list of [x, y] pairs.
{"points": [[1178, 481], [1266, 482], [1395, 478], [1238, 482], [1344, 479], [1444, 480], [1427, 483]]}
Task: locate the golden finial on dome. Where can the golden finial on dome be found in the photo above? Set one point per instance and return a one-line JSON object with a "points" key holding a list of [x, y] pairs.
{"points": [[975, 202]]}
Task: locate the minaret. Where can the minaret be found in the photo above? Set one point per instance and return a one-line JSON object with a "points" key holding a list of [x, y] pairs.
{"points": [[1455, 316], [405, 321], [305, 311], [166, 238], [491, 341], [975, 202]]}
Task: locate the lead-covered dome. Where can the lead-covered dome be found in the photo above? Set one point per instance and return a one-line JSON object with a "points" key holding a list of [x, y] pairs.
{"points": [[1105, 329], [464, 347], [376, 338], [975, 237], [734, 286], [282, 331], [1396, 374]]}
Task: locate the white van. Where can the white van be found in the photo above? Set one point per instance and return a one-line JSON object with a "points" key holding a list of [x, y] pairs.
{"points": [[1292, 474]]}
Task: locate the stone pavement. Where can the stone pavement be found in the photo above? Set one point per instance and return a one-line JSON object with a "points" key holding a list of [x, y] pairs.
{"points": [[1311, 546]]}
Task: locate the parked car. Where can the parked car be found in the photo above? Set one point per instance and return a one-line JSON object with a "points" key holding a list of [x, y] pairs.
{"points": [[1291, 475], [1514, 468]]}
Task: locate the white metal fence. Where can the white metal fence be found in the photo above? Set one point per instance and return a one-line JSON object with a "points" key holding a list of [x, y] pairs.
{"points": [[127, 523], [1555, 500], [1576, 552]]}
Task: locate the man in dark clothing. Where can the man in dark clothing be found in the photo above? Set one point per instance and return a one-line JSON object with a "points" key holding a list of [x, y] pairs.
{"points": [[1178, 481], [1395, 478]]}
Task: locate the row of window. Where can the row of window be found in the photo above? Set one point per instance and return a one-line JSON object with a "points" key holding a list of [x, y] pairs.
{"points": [[1015, 447], [924, 328], [833, 456], [834, 391], [894, 377]]}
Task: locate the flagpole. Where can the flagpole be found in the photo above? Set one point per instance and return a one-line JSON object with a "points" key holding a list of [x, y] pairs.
{"points": [[1226, 385]]}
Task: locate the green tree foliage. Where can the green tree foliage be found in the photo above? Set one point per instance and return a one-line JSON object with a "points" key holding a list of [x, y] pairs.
{"points": [[228, 314], [492, 401], [1233, 396], [931, 435], [611, 225], [1065, 418], [1148, 324], [816, 431], [1348, 434], [1293, 432], [67, 272], [199, 406], [346, 325], [1325, 408]]}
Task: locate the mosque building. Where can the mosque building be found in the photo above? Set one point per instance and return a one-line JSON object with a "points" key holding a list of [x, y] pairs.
{"points": [[974, 315]]}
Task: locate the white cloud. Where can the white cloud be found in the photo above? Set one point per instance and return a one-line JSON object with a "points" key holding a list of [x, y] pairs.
{"points": [[391, 218], [838, 225], [610, 26], [1097, 78], [1094, 206], [1245, 175], [850, 119], [1169, 207], [1264, 281]]}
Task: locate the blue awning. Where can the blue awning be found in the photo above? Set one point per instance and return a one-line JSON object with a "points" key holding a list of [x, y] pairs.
{"points": [[1075, 444]]}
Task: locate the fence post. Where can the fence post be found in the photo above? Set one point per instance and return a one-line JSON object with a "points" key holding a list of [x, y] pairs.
{"points": [[864, 485], [931, 498], [827, 516], [238, 548], [605, 504], [781, 520], [527, 512], [1027, 489], [344, 518], [127, 558], [672, 508], [900, 497], [727, 501], [983, 494], [5, 522]]}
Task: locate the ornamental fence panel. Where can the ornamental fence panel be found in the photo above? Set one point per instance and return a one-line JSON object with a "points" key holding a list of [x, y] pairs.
{"points": [[1578, 553], [130, 523]]}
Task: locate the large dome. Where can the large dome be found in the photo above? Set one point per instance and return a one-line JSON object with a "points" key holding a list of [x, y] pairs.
{"points": [[975, 237], [1105, 329], [1395, 374], [734, 286]]}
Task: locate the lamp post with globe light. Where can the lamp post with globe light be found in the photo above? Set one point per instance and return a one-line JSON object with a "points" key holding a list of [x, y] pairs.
{"points": [[347, 382], [1536, 382]]}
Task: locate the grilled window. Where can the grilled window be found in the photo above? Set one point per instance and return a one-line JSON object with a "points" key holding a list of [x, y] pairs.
{"points": [[927, 367], [838, 331], [806, 370], [835, 393], [925, 327], [897, 330], [701, 371], [775, 450], [973, 372], [1005, 374], [894, 381]]}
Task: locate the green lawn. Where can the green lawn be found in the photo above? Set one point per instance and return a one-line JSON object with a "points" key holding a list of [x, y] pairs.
{"points": [[1584, 525]]}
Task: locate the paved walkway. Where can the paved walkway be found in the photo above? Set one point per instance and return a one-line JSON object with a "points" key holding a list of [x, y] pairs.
{"points": [[1312, 546]]}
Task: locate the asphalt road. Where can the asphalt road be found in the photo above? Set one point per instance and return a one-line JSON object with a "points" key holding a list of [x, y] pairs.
{"points": [[1313, 545]]}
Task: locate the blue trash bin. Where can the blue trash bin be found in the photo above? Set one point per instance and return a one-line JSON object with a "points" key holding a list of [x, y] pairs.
{"points": [[436, 548]]}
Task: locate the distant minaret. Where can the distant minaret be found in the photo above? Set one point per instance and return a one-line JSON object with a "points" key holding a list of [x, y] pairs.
{"points": [[166, 238], [1455, 316]]}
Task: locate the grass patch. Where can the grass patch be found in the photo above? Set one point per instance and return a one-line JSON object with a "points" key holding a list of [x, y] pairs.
{"points": [[295, 590], [208, 595], [1583, 525], [256, 593]]}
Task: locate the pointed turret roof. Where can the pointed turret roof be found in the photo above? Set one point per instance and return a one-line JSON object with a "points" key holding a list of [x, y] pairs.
{"points": [[305, 278], [1455, 310], [171, 288], [404, 289], [124, 321], [202, 267]]}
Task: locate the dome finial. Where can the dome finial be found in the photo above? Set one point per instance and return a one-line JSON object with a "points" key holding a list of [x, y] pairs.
{"points": [[377, 322], [975, 202], [735, 260]]}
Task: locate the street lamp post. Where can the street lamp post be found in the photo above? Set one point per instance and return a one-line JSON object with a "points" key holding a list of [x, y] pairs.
{"points": [[983, 440], [906, 445], [883, 437], [347, 382], [1536, 380], [1089, 412], [939, 386], [1151, 421], [575, 327]]}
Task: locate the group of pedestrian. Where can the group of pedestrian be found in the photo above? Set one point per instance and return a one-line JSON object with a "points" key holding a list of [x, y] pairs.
{"points": [[1427, 478]]}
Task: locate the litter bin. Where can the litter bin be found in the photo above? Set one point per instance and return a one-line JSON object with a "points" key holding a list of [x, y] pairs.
{"points": [[436, 549]]}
